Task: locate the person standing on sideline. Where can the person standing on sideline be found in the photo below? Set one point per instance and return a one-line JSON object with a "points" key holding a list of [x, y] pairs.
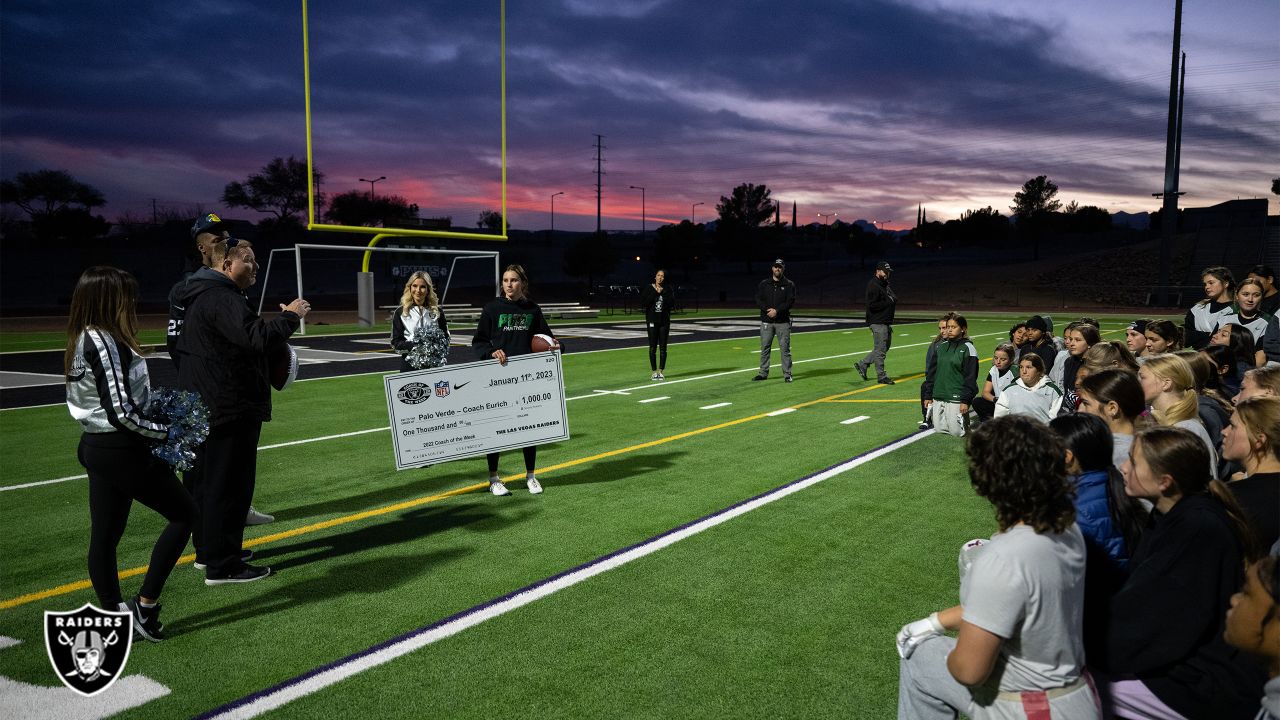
{"points": [[881, 303], [656, 299], [211, 239], [506, 328], [225, 345], [108, 390], [775, 295], [419, 312]]}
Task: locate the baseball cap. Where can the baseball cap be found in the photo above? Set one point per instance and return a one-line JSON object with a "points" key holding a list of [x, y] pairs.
{"points": [[882, 265], [779, 263], [207, 223], [1138, 326]]}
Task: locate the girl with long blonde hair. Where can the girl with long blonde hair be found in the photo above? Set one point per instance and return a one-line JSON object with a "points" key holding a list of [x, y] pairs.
{"points": [[1169, 387], [419, 330]]}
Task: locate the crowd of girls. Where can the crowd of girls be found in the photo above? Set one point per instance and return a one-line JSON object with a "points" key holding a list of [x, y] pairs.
{"points": [[1168, 446]]}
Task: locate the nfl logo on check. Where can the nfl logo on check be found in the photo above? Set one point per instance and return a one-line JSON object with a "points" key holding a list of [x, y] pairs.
{"points": [[88, 647], [442, 388]]}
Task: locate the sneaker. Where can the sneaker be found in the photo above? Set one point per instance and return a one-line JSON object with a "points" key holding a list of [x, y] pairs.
{"points": [[786, 378], [759, 377], [242, 574], [655, 376], [660, 376], [497, 488], [146, 620], [254, 517], [535, 487], [924, 425], [862, 370], [885, 381], [245, 556]]}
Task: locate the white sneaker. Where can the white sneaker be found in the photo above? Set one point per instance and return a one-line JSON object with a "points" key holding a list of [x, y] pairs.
{"points": [[660, 376], [254, 517], [535, 487], [655, 376], [497, 488]]}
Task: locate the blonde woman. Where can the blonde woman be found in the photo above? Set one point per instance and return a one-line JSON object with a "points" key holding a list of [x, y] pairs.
{"points": [[1253, 440], [1169, 387], [1259, 381], [419, 331]]}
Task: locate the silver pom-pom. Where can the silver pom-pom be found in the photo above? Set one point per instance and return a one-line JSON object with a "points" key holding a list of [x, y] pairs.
{"points": [[430, 345], [188, 421]]}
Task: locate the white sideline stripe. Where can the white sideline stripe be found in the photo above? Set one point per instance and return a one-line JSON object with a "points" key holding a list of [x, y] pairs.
{"points": [[783, 411], [851, 421], [717, 405], [8, 642], [660, 397], [425, 637], [260, 449]]}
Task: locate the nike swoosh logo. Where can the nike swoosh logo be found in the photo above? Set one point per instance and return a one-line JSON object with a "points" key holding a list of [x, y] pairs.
{"points": [[459, 386]]}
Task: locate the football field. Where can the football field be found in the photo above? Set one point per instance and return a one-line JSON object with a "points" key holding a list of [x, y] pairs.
{"points": [[706, 546]]}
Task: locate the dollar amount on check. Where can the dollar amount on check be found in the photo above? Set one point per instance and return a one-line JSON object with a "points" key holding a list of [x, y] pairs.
{"points": [[459, 411]]}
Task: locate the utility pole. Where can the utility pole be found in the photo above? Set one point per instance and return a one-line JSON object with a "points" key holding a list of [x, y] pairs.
{"points": [[599, 172], [643, 211], [1169, 216]]}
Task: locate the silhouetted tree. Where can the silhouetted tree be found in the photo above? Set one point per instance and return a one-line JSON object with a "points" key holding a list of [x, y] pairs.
{"points": [[356, 208], [1032, 205], [1275, 186], [679, 247], [279, 188], [741, 214], [57, 204], [490, 220]]}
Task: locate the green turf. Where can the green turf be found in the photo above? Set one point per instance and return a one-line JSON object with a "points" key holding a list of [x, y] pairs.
{"points": [[787, 611]]}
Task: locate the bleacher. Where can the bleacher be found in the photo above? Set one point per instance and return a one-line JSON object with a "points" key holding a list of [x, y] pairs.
{"points": [[1233, 234]]}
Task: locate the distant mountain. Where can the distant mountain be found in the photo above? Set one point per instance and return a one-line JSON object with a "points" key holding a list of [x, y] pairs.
{"points": [[1135, 221]]}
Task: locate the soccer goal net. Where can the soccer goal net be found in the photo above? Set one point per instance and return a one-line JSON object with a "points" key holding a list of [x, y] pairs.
{"points": [[330, 276]]}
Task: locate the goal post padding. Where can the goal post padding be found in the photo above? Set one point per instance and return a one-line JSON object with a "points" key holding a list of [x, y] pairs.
{"points": [[326, 274]]}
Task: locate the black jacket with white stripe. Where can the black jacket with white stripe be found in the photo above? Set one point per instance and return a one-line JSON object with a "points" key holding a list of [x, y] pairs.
{"points": [[108, 388]]}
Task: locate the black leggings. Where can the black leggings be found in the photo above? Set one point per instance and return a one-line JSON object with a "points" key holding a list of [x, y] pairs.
{"points": [[658, 333], [530, 459], [121, 470]]}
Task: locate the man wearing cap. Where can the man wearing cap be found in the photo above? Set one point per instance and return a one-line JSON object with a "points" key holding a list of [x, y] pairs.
{"points": [[881, 304], [775, 295], [225, 345], [211, 237]]}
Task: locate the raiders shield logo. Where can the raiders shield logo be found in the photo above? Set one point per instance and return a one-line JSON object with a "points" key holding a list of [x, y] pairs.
{"points": [[88, 647]]}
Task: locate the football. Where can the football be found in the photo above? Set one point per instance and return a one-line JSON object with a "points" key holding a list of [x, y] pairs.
{"points": [[542, 343], [283, 366]]}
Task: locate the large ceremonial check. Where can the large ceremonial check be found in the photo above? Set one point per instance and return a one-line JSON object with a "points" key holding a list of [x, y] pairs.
{"points": [[459, 411]]}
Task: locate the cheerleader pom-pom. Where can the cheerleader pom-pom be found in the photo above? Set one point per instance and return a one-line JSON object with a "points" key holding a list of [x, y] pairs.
{"points": [[430, 347], [188, 420]]}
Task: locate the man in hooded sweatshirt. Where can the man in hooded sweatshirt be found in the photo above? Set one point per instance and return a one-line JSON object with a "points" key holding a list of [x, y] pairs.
{"points": [[224, 346]]}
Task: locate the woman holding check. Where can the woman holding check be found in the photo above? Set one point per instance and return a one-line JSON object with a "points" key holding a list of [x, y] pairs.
{"points": [[507, 328]]}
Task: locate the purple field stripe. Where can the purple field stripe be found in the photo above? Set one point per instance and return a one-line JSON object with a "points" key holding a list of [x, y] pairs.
{"points": [[527, 588]]}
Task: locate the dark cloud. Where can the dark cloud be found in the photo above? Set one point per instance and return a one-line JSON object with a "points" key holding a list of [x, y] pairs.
{"points": [[864, 103]]}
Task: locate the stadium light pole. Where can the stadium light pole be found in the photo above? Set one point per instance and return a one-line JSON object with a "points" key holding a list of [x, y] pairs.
{"points": [[643, 212], [553, 213], [372, 183], [693, 212]]}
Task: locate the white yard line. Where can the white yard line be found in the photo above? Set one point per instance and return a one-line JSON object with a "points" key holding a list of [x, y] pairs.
{"points": [[851, 421], [656, 399], [303, 685], [783, 411], [717, 405]]}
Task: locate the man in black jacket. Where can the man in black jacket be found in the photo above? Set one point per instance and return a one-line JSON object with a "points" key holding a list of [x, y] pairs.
{"points": [[881, 304], [775, 295], [224, 345]]}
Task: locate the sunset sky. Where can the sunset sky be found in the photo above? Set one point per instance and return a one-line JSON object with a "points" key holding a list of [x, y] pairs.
{"points": [[862, 108]]}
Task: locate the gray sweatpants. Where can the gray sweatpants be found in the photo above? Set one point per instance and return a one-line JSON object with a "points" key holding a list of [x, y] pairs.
{"points": [[882, 337], [927, 691], [767, 331]]}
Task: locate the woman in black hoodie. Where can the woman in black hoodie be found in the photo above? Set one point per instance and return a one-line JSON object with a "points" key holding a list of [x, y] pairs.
{"points": [[506, 329]]}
